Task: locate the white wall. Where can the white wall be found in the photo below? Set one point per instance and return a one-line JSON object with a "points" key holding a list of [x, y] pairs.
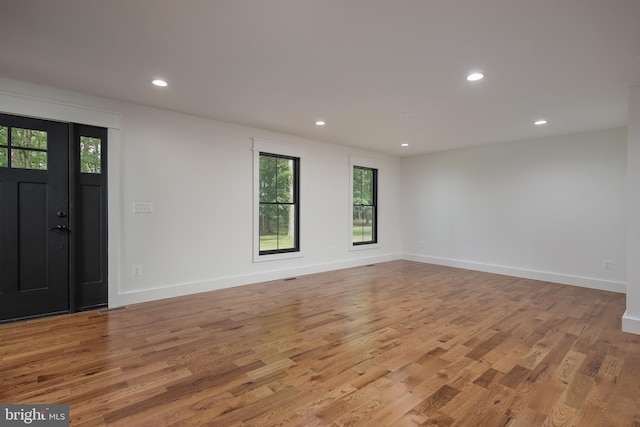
{"points": [[198, 175], [549, 209], [631, 318]]}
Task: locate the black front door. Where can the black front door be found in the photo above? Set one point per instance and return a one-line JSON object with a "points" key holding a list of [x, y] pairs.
{"points": [[34, 221]]}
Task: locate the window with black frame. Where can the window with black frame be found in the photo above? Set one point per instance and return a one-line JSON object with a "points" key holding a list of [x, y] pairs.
{"points": [[279, 215], [23, 148], [364, 220]]}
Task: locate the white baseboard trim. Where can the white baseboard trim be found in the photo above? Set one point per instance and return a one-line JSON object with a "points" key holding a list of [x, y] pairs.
{"points": [[584, 282], [630, 324], [181, 289]]}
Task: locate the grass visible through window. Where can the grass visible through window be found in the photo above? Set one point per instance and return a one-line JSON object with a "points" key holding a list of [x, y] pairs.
{"points": [[270, 242], [362, 232]]}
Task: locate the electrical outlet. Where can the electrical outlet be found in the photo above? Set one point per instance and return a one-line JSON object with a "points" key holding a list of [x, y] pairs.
{"points": [[606, 264], [136, 270]]}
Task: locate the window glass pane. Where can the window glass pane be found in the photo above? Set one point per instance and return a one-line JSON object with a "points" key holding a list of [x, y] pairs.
{"points": [[268, 179], [284, 181], [357, 186], [286, 226], [367, 186], [28, 159], [90, 156], [363, 223], [361, 191], [29, 138], [277, 227], [4, 162], [268, 227]]}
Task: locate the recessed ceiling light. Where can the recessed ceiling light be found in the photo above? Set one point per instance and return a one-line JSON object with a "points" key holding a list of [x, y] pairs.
{"points": [[474, 77], [320, 123], [159, 82], [540, 122], [404, 144]]}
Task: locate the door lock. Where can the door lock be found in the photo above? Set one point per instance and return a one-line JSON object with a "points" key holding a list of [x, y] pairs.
{"points": [[60, 227]]}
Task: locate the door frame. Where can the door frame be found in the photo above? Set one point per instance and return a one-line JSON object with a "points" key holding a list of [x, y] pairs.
{"points": [[41, 102]]}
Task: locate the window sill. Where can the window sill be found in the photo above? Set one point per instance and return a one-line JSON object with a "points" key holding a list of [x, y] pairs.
{"points": [[353, 247], [276, 257]]}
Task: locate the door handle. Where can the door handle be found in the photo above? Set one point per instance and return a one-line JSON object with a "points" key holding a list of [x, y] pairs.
{"points": [[60, 227]]}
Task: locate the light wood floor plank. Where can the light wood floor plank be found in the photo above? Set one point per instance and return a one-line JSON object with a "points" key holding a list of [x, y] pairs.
{"points": [[394, 344]]}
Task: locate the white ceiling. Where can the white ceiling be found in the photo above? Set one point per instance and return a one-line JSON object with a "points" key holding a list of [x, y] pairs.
{"points": [[380, 72]]}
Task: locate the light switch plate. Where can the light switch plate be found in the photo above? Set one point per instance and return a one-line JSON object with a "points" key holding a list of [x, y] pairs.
{"points": [[142, 207]]}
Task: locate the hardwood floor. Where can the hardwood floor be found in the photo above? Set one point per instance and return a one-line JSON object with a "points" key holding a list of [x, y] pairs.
{"points": [[398, 343]]}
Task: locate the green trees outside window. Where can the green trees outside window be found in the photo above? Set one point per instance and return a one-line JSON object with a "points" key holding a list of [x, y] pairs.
{"points": [[365, 189], [4, 147], [90, 155], [279, 204], [23, 148]]}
